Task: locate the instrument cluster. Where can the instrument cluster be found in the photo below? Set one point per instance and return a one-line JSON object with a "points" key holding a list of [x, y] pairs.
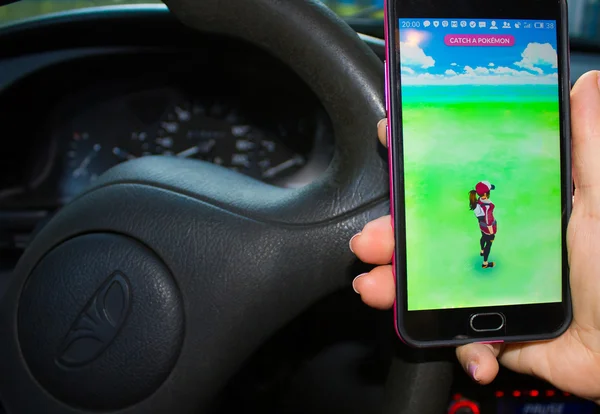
{"points": [[282, 144]]}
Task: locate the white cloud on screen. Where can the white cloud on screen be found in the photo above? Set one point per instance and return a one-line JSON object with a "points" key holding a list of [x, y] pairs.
{"points": [[525, 72], [413, 55], [477, 71], [406, 69], [536, 55], [482, 76]]}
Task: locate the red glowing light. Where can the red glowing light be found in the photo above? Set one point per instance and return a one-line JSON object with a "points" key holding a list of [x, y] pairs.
{"points": [[469, 405], [534, 393], [457, 397], [566, 394], [499, 394], [550, 393], [516, 393]]}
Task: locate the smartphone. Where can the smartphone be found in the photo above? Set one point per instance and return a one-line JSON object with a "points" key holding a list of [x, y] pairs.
{"points": [[479, 146]]}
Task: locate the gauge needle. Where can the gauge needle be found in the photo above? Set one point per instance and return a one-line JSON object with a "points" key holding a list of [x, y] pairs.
{"points": [[189, 152], [123, 154], [81, 170], [272, 172], [203, 147]]}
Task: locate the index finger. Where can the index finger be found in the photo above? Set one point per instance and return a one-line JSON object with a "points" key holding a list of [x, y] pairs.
{"points": [[382, 131]]}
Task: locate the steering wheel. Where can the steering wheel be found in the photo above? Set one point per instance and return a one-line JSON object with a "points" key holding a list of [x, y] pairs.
{"points": [[146, 293]]}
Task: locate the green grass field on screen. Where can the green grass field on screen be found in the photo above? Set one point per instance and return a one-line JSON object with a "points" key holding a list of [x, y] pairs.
{"points": [[454, 137]]}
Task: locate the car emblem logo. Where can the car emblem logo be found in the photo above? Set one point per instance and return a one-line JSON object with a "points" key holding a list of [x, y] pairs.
{"points": [[98, 323]]}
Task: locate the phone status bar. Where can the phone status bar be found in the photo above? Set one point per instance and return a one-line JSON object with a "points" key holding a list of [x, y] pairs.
{"points": [[478, 24]]}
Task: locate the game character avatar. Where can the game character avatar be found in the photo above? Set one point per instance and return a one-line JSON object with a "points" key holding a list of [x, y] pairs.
{"points": [[480, 203]]}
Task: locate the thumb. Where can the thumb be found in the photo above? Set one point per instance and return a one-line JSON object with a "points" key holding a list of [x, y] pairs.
{"points": [[585, 126]]}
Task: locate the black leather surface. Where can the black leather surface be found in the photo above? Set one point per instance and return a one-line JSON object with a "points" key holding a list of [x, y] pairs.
{"points": [[419, 382], [241, 279], [100, 322], [246, 257]]}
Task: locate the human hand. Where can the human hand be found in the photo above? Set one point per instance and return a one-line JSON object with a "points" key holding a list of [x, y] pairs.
{"points": [[570, 362]]}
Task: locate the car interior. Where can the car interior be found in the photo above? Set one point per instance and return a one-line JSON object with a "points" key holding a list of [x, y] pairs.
{"points": [[199, 166]]}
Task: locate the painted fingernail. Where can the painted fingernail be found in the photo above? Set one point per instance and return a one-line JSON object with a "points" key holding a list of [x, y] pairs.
{"points": [[351, 240], [472, 368], [354, 282]]}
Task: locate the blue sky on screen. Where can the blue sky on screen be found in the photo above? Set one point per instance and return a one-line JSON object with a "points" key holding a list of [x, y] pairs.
{"points": [[427, 60]]}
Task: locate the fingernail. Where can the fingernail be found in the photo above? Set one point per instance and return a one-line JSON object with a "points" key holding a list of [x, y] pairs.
{"points": [[350, 243], [472, 368], [381, 121], [598, 78], [354, 281]]}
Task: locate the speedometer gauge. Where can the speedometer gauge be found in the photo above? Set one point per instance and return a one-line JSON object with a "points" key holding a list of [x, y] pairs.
{"points": [[215, 133]]}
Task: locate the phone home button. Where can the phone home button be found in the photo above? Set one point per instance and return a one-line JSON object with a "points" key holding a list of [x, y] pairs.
{"points": [[487, 322]]}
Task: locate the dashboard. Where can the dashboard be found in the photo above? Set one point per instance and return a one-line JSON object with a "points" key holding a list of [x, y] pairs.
{"points": [[136, 83], [271, 145], [273, 131]]}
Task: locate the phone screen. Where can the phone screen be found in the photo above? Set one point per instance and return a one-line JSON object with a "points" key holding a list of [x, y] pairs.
{"points": [[482, 162]]}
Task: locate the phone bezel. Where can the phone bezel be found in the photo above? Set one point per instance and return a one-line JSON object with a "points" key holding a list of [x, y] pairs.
{"points": [[451, 326]]}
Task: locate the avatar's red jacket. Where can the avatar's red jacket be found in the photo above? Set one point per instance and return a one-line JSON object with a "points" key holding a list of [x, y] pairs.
{"points": [[485, 214]]}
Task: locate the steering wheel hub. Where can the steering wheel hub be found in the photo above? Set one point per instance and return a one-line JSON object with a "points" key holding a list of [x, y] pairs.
{"points": [[100, 322]]}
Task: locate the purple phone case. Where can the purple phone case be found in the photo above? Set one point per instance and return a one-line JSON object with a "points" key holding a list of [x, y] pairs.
{"points": [[397, 316]]}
